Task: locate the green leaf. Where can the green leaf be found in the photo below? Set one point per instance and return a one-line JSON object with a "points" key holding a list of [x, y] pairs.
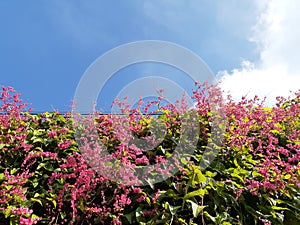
{"points": [[182, 221], [13, 221], [138, 214], [2, 176], [256, 174], [209, 216], [200, 192], [80, 206], [196, 208], [62, 214], [148, 201], [279, 208], [48, 166], [35, 183], [226, 223], [151, 182], [236, 174], [168, 194], [210, 174], [8, 187], [53, 201], [170, 208], [7, 213], [14, 170], [38, 139], [38, 132], [184, 161], [237, 185], [201, 178], [129, 217], [37, 200]]}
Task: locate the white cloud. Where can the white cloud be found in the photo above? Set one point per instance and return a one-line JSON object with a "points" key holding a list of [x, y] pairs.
{"points": [[277, 37]]}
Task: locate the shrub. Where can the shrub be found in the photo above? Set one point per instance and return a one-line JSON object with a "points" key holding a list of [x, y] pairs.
{"points": [[54, 169]]}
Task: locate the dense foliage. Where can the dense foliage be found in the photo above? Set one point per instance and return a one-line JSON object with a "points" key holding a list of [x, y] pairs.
{"points": [[46, 178]]}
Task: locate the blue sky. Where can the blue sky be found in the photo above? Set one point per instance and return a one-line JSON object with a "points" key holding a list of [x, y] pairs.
{"points": [[46, 46]]}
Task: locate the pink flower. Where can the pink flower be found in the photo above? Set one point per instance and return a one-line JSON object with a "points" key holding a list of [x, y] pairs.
{"points": [[156, 195], [266, 222], [28, 221], [124, 200], [137, 190], [52, 134], [142, 160], [64, 145], [64, 130], [141, 198], [149, 213], [25, 221]]}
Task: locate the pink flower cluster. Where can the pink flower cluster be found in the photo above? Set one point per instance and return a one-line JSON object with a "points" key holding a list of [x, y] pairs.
{"points": [[92, 185], [271, 136], [64, 145]]}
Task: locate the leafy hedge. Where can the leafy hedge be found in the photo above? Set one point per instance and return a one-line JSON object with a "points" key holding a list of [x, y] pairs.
{"points": [[45, 177]]}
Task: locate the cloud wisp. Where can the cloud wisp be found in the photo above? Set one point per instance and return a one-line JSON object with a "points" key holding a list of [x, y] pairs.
{"points": [[277, 72]]}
